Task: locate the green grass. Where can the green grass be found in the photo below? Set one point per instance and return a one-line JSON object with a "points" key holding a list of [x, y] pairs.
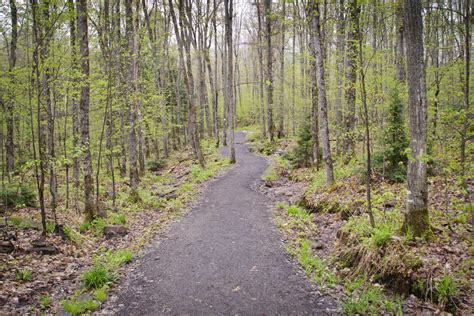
{"points": [[101, 294], [314, 267], [270, 175], [115, 259], [298, 212], [200, 175], [24, 275], [368, 302], [45, 301], [96, 277], [117, 219], [79, 307], [446, 289]]}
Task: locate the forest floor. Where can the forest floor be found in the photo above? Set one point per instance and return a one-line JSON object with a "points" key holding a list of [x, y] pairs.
{"points": [[225, 257], [78, 271], [372, 271]]}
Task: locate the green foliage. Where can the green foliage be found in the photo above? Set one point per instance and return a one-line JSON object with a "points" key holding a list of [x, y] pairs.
{"points": [[200, 175], [155, 165], [302, 154], [96, 277], [75, 307], [24, 223], [381, 235], [101, 294], [116, 219], [394, 155], [24, 275], [45, 301], [314, 267], [446, 289], [17, 195], [270, 175], [368, 302], [298, 212], [115, 259]]}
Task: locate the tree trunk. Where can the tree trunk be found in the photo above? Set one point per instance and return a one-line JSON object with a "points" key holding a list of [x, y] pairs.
{"points": [[339, 73], [132, 78], [351, 78], [323, 111], [10, 119], [261, 69], [228, 5], [74, 93], [416, 218], [281, 108], [89, 207], [40, 170], [269, 81]]}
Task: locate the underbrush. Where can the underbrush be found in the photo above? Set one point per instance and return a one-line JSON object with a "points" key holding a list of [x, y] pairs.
{"points": [[160, 197], [391, 268]]}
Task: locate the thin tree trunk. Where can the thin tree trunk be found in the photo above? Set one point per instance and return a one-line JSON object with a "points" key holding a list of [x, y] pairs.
{"points": [[10, 119], [89, 207], [351, 78], [416, 217], [40, 172], [323, 108], [261, 70], [228, 6], [281, 108], [269, 81]]}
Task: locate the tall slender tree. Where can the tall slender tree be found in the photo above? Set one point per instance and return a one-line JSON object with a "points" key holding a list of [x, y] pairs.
{"points": [[416, 217]]}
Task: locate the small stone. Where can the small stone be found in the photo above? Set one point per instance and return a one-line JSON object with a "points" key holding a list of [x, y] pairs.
{"points": [[113, 231], [6, 246]]}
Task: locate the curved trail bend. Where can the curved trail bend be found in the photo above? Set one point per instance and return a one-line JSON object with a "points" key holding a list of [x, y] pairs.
{"points": [[225, 257]]}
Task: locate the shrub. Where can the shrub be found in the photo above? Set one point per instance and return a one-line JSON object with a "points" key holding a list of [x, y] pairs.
{"points": [[117, 219], [395, 143], [96, 277], [17, 195], [302, 154], [381, 235], [155, 165], [24, 275]]}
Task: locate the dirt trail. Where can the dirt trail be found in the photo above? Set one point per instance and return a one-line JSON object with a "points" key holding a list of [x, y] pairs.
{"points": [[225, 257]]}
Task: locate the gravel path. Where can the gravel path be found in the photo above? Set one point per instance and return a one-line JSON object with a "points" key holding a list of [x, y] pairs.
{"points": [[225, 257]]}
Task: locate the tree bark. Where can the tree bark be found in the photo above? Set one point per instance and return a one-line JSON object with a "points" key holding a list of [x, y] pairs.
{"points": [[351, 78], [323, 108], [269, 81], [89, 206], [281, 108], [10, 118], [416, 217], [261, 69], [228, 6], [132, 78]]}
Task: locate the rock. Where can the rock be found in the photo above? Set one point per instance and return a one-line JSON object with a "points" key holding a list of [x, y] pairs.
{"points": [[6, 246], [113, 231], [317, 245]]}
